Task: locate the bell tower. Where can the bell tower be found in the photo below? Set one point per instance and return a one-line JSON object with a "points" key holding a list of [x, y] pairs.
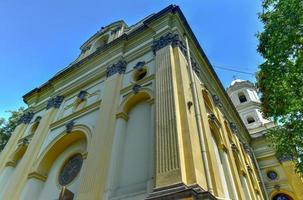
{"points": [[247, 102]]}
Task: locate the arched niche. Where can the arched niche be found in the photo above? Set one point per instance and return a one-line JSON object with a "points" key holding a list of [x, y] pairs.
{"points": [[132, 99], [58, 145], [132, 158]]}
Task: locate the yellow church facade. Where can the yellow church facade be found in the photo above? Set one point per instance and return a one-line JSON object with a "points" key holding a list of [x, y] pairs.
{"points": [[140, 114]]}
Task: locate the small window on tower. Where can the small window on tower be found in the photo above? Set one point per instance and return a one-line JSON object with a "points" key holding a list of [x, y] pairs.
{"points": [[242, 97], [250, 120]]}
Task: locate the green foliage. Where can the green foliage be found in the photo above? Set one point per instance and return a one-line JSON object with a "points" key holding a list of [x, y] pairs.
{"points": [[8, 126], [280, 78]]}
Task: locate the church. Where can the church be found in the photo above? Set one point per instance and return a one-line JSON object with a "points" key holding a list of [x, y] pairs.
{"points": [[139, 115], [278, 173]]}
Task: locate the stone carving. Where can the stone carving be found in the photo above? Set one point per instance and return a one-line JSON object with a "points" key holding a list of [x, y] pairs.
{"points": [[284, 158], [212, 117], [234, 147], [118, 67], [26, 118], [69, 126], [82, 95], [139, 65], [136, 88], [54, 102], [246, 148], [168, 39], [233, 127], [217, 101], [249, 168]]}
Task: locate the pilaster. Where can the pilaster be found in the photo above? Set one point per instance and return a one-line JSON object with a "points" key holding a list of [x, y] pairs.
{"points": [[93, 183], [195, 173], [20, 176], [168, 156], [11, 145]]}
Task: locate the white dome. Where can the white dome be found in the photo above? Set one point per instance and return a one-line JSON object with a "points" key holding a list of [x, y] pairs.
{"points": [[237, 81]]}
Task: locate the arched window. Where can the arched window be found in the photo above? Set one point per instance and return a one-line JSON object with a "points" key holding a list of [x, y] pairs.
{"points": [[250, 120], [242, 97]]}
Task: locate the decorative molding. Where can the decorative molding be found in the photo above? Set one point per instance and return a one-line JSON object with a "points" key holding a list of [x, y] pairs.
{"points": [[54, 102], [82, 95], [180, 191], [122, 115], [151, 101], [213, 119], [233, 127], [223, 147], [26, 118], [139, 65], [247, 148], [11, 164], [284, 158], [118, 67], [249, 168], [84, 155], [72, 116], [136, 88], [25, 140], [168, 39], [69, 126], [38, 176], [37, 119], [234, 147], [217, 101], [141, 82]]}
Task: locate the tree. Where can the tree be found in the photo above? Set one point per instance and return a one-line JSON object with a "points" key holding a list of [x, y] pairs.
{"points": [[280, 78], [8, 126]]}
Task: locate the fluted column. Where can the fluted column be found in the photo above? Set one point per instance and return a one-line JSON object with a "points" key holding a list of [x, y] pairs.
{"points": [[20, 175], [92, 185]]}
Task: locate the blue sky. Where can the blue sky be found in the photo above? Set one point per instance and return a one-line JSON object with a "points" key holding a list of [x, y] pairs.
{"points": [[39, 38]]}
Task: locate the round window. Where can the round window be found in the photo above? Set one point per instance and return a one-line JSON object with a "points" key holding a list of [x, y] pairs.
{"points": [[282, 197], [272, 175], [139, 74], [70, 170]]}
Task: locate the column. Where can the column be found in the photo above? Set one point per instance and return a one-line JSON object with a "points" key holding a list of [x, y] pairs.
{"points": [[19, 177], [93, 184]]}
